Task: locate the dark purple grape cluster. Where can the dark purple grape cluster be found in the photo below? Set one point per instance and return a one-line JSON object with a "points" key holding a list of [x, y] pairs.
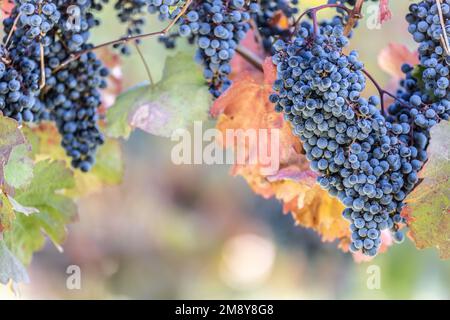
{"points": [[73, 95], [429, 31], [368, 161], [216, 27], [20, 74], [35, 87]]}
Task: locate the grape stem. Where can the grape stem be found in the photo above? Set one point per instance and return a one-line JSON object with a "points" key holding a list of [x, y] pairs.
{"points": [[147, 68], [162, 32], [12, 29], [258, 36], [383, 92]]}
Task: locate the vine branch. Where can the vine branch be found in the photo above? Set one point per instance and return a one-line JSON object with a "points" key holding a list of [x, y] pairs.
{"points": [[250, 57], [354, 16], [162, 32]]}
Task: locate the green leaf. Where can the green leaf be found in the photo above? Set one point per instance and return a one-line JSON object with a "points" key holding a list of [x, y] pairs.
{"points": [[10, 137], [179, 99], [429, 203], [19, 169], [55, 210], [10, 267]]}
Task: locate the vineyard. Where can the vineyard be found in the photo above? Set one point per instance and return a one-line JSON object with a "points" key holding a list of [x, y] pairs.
{"points": [[324, 116]]}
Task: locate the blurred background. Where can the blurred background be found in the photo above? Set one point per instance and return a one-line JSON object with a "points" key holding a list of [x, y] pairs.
{"points": [[195, 232]]}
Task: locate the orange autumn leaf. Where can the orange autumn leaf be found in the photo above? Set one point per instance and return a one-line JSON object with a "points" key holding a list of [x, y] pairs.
{"points": [[310, 205], [245, 105], [317, 210]]}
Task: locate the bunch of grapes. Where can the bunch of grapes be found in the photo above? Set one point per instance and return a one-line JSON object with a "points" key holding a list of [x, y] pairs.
{"points": [[360, 157], [266, 20], [20, 73], [72, 96], [217, 27], [420, 112], [36, 86], [430, 32]]}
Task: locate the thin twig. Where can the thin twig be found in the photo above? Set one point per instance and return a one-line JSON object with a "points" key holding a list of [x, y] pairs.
{"points": [[252, 58], [162, 32], [12, 28], [383, 92], [147, 69]]}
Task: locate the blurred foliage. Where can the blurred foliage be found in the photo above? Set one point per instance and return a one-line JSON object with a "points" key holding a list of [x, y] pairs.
{"points": [[428, 208]]}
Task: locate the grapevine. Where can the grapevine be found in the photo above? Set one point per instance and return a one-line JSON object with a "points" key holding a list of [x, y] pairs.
{"points": [[365, 153]]}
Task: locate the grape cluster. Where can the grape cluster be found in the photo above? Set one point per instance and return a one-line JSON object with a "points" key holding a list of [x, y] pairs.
{"points": [[420, 111], [73, 95], [70, 95], [266, 20], [216, 26], [20, 76], [219, 26], [361, 158], [425, 26]]}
